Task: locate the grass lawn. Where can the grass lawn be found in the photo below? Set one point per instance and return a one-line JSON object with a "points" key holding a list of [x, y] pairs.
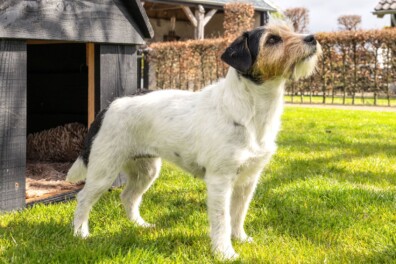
{"points": [[328, 196], [317, 99]]}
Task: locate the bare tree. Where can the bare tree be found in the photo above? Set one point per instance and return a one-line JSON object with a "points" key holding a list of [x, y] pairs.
{"points": [[349, 22], [299, 17]]}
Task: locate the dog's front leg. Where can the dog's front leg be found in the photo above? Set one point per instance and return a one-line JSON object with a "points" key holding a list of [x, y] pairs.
{"points": [[241, 197], [219, 196]]}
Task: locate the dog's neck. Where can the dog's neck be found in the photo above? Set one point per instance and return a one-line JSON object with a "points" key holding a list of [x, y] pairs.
{"points": [[259, 106]]}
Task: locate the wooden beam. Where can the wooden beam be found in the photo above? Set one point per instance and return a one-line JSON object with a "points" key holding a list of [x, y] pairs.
{"points": [[189, 15], [200, 17], [209, 16], [118, 72], [13, 65], [199, 20], [173, 23], [41, 42], [91, 82]]}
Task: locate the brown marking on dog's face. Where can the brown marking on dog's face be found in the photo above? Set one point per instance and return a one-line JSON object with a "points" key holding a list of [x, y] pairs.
{"points": [[286, 54], [273, 51]]}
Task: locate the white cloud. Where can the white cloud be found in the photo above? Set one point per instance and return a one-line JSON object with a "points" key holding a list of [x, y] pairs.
{"points": [[324, 14]]}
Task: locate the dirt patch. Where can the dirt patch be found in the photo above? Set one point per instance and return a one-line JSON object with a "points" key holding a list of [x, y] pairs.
{"points": [[47, 179]]}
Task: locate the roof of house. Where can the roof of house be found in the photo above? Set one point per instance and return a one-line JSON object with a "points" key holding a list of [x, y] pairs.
{"points": [[259, 5], [385, 7]]}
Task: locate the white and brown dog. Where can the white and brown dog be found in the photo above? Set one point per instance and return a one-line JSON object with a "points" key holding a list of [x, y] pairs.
{"points": [[224, 134]]}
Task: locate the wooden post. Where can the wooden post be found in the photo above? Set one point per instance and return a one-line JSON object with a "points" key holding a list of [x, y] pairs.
{"points": [[117, 75], [91, 82], [173, 23], [209, 16], [12, 124], [264, 17], [200, 16], [189, 15], [200, 20]]}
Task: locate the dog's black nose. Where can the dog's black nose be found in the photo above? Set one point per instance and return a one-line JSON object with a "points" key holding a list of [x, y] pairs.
{"points": [[310, 40]]}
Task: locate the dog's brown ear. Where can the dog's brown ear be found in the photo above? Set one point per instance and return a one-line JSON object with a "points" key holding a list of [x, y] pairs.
{"points": [[237, 55]]}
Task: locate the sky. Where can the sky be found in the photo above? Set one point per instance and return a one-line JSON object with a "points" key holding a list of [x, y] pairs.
{"points": [[323, 14]]}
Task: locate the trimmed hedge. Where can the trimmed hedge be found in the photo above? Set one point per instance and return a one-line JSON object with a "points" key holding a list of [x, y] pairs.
{"points": [[194, 64], [354, 63], [238, 17], [188, 65]]}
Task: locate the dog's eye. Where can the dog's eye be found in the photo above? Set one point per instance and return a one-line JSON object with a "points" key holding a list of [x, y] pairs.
{"points": [[273, 39]]}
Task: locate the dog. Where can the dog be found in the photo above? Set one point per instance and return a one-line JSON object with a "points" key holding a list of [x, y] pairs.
{"points": [[225, 134]]}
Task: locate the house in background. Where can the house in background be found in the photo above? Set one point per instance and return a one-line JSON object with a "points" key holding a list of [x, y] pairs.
{"points": [[195, 19], [386, 7]]}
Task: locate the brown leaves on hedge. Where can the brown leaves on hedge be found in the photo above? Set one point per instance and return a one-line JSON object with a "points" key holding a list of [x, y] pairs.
{"points": [[188, 65], [353, 62], [238, 17], [194, 64]]}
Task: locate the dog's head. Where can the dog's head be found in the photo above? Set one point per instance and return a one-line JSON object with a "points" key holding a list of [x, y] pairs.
{"points": [[273, 51]]}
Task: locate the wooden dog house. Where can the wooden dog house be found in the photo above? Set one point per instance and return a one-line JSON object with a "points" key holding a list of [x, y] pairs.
{"points": [[60, 61]]}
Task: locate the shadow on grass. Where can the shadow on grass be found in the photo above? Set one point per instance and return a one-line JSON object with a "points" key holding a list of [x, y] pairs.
{"points": [[331, 165], [53, 242], [314, 198], [328, 201]]}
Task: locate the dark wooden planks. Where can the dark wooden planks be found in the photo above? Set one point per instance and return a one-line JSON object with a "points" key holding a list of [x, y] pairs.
{"points": [[118, 73], [101, 21], [116, 76], [12, 124]]}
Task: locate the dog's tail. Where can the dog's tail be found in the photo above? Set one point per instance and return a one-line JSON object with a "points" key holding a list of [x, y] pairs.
{"points": [[77, 172]]}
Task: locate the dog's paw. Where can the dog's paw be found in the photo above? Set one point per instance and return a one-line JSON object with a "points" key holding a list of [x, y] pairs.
{"points": [[146, 225], [248, 239], [81, 230], [140, 222], [81, 233], [226, 254], [243, 237]]}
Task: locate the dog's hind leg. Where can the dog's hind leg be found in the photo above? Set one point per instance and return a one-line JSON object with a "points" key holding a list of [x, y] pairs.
{"points": [[99, 179], [141, 174]]}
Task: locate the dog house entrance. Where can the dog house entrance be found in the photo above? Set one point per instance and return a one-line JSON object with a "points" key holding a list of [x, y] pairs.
{"points": [[57, 113]]}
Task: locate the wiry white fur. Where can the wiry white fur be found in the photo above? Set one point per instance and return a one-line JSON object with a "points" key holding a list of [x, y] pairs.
{"points": [[229, 129], [306, 67], [78, 171], [224, 134]]}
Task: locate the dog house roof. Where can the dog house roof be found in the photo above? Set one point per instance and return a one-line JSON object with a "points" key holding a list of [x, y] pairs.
{"points": [[105, 21]]}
